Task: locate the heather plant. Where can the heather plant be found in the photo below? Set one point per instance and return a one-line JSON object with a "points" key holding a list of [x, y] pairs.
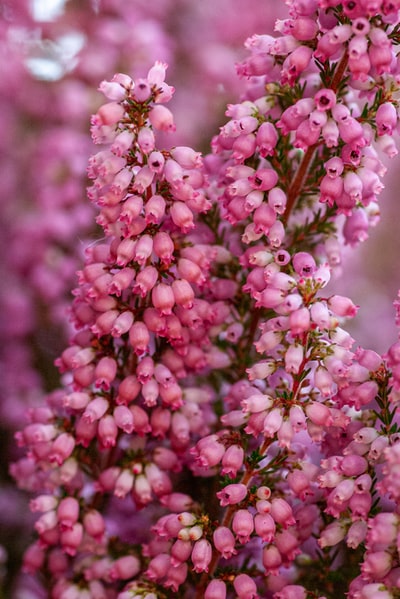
{"points": [[219, 433], [51, 64]]}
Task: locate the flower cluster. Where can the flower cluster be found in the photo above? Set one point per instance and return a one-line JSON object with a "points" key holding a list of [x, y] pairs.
{"points": [[218, 435]]}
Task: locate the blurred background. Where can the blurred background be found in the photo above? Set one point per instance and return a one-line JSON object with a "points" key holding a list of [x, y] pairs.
{"points": [[53, 55]]}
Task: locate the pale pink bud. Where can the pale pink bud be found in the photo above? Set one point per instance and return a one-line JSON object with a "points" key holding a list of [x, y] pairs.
{"points": [[145, 280], [360, 504], [268, 341], [276, 234], [163, 298], [143, 249], [140, 420], [356, 534], [154, 321], [331, 189], [131, 209], [158, 567], [123, 418], [145, 369], [369, 359], [306, 135], [33, 559], [122, 324], [232, 494], [294, 358], [125, 252], [83, 357], [180, 552], [76, 400], [124, 567], [107, 431], [265, 527], [224, 541], [297, 418], [243, 147], [94, 524], [161, 118], [186, 157], [232, 460], [43, 503], [104, 323], [376, 564], [124, 483], [122, 143], [201, 555], [323, 381], [352, 185], [128, 390], [266, 139], [67, 512], [282, 512], [365, 434], [272, 422], [264, 179], [142, 490], [176, 576], [287, 544], [271, 559], [332, 535], [330, 133], [109, 114], [296, 62], [85, 431], [105, 372], [150, 392], [319, 414], [176, 501], [291, 591], [173, 172], [209, 451], [171, 396], [304, 264], [61, 448], [351, 131], [245, 587], [47, 521], [320, 315], [182, 216], [243, 525], [143, 179], [277, 199], [343, 491], [113, 90], [190, 271], [163, 247], [386, 118], [146, 140], [154, 210], [156, 162], [377, 448], [375, 591], [71, 539], [299, 321], [141, 90], [216, 589]]}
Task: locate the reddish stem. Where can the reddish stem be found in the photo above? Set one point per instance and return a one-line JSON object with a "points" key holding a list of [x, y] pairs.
{"points": [[297, 183]]}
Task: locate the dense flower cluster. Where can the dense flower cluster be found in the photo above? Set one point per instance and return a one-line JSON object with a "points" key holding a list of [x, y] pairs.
{"points": [[218, 434]]}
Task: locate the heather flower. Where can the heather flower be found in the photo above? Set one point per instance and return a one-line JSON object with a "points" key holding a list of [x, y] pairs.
{"points": [[204, 265]]}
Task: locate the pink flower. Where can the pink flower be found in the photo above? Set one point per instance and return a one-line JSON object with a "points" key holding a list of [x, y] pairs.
{"points": [[232, 494], [201, 555]]}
